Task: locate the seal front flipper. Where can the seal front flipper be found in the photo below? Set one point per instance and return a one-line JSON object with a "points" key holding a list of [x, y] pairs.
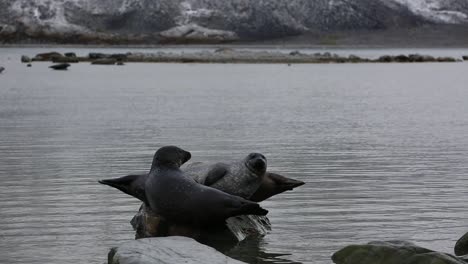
{"points": [[133, 185], [215, 174], [273, 184]]}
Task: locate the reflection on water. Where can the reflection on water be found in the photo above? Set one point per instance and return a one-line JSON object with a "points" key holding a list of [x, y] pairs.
{"points": [[382, 149]]}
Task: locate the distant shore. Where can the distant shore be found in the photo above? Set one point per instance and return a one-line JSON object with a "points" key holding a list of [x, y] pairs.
{"points": [[440, 36], [230, 55]]}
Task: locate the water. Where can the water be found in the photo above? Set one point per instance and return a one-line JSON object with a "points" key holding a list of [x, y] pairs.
{"points": [[382, 148]]}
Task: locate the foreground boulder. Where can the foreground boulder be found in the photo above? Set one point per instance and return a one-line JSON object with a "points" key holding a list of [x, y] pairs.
{"points": [[146, 223], [461, 247], [392, 252], [168, 250]]}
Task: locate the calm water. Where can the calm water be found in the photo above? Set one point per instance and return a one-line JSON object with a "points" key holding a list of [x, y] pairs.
{"points": [[383, 149]]}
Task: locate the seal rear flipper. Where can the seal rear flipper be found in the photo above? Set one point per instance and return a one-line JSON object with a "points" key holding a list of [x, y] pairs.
{"points": [[273, 184], [133, 185]]}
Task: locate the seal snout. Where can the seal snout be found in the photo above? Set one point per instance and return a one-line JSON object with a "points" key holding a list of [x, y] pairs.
{"points": [[256, 162]]}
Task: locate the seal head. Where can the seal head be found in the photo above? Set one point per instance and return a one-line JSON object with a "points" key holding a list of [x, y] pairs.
{"points": [[170, 156], [256, 163]]}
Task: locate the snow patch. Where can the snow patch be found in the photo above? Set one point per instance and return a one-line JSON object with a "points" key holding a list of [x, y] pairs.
{"points": [[32, 13], [432, 9]]}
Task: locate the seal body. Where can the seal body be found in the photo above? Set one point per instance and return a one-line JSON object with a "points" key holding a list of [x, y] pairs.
{"points": [[241, 178], [177, 197]]}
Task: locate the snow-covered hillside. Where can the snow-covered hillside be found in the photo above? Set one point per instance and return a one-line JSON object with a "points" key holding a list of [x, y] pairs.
{"points": [[246, 18]]}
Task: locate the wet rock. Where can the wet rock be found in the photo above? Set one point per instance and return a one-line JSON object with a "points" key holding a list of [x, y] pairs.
{"points": [[167, 250], [146, 223], [392, 252], [109, 61], [461, 247], [25, 59], [49, 56], [193, 33]]}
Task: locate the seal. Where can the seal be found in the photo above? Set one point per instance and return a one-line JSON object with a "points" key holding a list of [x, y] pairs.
{"points": [[218, 175], [241, 178], [178, 198]]}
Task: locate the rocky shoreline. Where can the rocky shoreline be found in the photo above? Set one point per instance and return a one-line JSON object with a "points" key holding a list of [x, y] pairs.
{"points": [[229, 55]]}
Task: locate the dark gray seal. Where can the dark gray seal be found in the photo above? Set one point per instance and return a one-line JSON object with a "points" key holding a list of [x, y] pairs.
{"points": [[177, 197], [241, 178], [60, 67]]}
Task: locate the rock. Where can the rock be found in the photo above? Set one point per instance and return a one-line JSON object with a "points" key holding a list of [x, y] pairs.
{"points": [[401, 58], [120, 63], [168, 250], [65, 60], [446, 59], [49, 56], [294, 53], [465, 58], [392, 252], [61, 66], [94, 56], [193, 33], [148, 224], [25, 59], [224, 50], [461, 247], [29, 65], [119, 57], [70, 54], [385, 58], [354, 58], [108, 61]]}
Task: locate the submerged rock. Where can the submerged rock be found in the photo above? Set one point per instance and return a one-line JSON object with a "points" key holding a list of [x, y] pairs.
{"points": [[461, 247], [392, 252], [168, 250], [2, 69]]}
